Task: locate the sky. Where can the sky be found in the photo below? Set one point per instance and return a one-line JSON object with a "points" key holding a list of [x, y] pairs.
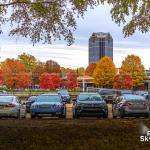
{"points": [[95, 20]]}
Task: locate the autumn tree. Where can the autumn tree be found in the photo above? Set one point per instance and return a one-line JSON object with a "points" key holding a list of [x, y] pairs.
{"points": [[37, 71], [50, 81], [133, 65], [52, 67], [104, 72], [28, 60], [55, 19], [81, 71], [90, 69], [123, 81], [14, 74], [46, 81]]}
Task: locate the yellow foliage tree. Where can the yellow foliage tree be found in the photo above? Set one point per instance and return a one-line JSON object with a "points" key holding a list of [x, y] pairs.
{"points": [[133, 65], [104, 72]]}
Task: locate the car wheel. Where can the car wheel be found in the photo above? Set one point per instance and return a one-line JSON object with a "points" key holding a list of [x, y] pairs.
{"points": [[18, 115], [76, 116], [105, 116], [33, 116], [147, 116], [121, 115], [114, 117]]}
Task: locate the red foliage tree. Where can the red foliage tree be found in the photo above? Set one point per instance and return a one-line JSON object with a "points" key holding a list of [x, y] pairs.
{"points": [[56, 80], [90, 69], [49, 81], [123, 80], [71, 80], [46, 81]]}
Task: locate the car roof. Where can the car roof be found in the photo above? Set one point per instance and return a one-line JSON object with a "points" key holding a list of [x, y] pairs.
{"points": [[133, 96], [88, 93], [48, 95]]}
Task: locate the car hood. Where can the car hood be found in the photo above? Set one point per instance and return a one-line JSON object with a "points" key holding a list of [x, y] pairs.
{"points": [[46, 103]]}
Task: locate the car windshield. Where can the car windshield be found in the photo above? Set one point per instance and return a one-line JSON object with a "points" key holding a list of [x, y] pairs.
{"points": [[89, 97], [107, 92], [63, 92], [126, 92], [32, 98], [6, 98], [48, 98], [134, 97]]}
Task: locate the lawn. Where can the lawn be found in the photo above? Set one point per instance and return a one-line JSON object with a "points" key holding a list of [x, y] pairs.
{"points": [[82, 134]]}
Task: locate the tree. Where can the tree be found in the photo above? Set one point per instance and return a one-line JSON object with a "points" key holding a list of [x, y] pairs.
{"points": [[81, 71], [37, 71], [53, 19], [123, 81], [14, 74], [28, 60], [90, 69], [104, 72], [52, 67], [49, 81], [133, 65], [46, 81], [71, 82], [56, 80]]}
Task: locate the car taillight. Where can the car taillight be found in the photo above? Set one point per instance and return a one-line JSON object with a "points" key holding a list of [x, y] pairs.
{"points": [[10, 105], [126, 104], [146, 103]]}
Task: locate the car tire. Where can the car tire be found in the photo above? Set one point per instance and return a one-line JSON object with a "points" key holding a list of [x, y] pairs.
{"points": [[114, 117], [33, 116], [19, 115], [121, 115], [105, 116], [147, 116]]}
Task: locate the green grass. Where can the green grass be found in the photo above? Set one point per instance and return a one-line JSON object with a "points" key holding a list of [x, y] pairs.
{"points": [[84, 134]]}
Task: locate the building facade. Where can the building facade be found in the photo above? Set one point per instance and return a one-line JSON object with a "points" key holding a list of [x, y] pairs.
{"points": [[100, 45]]}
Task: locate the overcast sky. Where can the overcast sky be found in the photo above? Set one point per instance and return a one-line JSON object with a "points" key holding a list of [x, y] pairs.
{"points": [[96, 20]]}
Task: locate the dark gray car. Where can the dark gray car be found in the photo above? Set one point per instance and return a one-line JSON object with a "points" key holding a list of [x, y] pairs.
{"points": [[90, 104], [130, 105]]}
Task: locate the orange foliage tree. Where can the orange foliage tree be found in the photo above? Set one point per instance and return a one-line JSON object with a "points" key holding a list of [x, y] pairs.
{"points": [[14, 74], [90, 69], [133, 65], [123, 80], [104, 72]]}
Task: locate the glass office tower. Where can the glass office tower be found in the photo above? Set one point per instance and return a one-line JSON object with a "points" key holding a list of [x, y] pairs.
{"points": [[100, 45]]}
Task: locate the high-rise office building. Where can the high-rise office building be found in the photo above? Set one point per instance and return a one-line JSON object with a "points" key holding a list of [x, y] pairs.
{"points": [[100, 45]]}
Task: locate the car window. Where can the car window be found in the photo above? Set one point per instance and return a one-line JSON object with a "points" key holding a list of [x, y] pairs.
{"points": [[134, 97], [48, 98], [107, 92], [6, 98], [89, 97]]}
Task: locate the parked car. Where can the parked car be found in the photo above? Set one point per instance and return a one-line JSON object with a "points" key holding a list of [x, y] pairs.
{"points": [[30, 100], [130, 105], [3, 92], [108, 94], [47, 104], [10, 106], [90, 104], [64, 95]]}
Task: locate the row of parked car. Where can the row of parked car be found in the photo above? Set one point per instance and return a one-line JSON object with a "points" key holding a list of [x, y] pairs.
{"points": [[86, 104]]}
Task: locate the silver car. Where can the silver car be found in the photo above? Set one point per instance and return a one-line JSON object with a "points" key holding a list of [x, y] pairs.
{"points": [[130, 105], [10, 106]]}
